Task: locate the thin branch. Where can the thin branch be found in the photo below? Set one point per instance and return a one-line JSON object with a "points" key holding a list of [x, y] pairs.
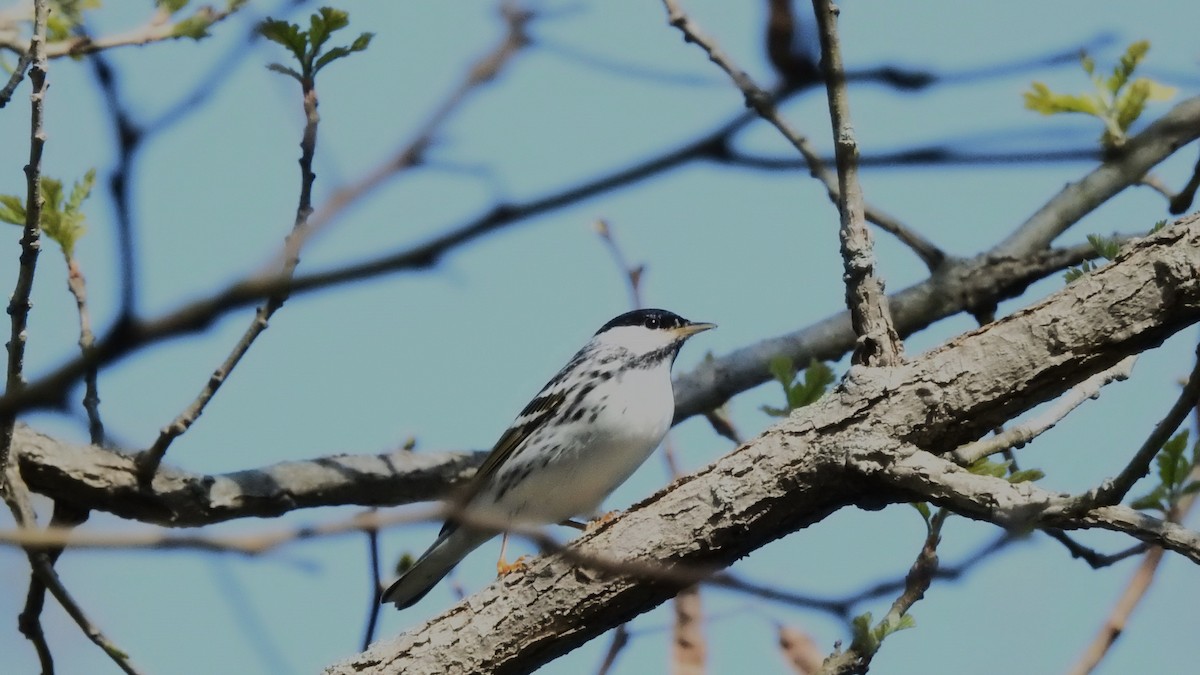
{"points": [[1161, 138], [1183, 201], [620, 638], [412, 153], [763, 103], [150, 460], [14, 80], [158, 28], [1116, 489], [18, 501], [878, 342], [1093, 558], [376, 577], [857, 659], [19, 303], [1018, 436]]}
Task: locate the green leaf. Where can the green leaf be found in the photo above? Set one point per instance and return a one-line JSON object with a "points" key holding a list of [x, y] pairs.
{"points": [[280, 68], [1129, 62], [1154, 500], [194, 27], [1191, 488], [863, 638], [1026, 475], [782, 369], [1041, 99], [51, 192], [1158, 226], [923, 509], [81, 190], [986, 467], [358, 45], [12, 209], [1106, 247], [774, 412], [172, 6], [1173, 467], [286, 34], [323, 24], [817, 378]]}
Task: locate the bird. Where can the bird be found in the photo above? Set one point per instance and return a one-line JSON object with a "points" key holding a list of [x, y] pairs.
{"points": [[583, 435]]}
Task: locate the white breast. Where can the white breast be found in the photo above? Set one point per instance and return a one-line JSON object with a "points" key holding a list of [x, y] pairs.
{"points": [[586, 460]]}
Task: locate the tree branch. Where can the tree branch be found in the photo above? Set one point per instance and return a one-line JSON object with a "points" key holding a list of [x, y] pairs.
{"points": [[875, 440]]}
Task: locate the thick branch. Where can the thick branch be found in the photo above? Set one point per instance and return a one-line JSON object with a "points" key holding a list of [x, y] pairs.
{"points": [[107, 480], [870, 439]]}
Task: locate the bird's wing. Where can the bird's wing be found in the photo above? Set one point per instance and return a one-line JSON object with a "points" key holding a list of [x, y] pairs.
{"points": [[543, 406]]}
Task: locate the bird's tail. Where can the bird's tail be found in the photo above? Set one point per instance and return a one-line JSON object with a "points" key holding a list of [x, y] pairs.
{"points": [[450, 548]]}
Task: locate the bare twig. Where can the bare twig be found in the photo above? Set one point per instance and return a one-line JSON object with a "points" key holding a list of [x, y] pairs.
{"points": [[483, 71], [19, 303], [150, 461], [878, 342], [1093, 558], [689, 650], [857, 659], [157, 29], [376, 576], [620, 638], [1114, 491], [763, 103], [1019, 435], [14, 80], [1183, 201], [798, 648]]}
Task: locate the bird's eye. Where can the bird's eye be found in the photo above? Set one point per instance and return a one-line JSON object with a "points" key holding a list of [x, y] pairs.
{"points": [[652, 322]]}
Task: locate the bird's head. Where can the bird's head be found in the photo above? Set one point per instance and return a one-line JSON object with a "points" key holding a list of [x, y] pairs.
{"points": [[643, 332]]}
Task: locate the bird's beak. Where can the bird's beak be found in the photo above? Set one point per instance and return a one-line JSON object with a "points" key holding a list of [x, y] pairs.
{"points": [[685, 332]]}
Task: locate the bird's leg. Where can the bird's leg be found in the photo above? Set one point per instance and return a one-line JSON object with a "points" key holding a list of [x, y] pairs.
{"points": [[582, 527], [503, 567]]}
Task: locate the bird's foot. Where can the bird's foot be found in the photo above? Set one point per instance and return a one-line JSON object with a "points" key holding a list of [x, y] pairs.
{"points": [[503, 567], [600, 521]]}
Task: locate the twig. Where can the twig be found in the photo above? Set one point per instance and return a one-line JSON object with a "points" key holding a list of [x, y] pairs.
{"points": [[1093, 558], [158, 28], [857, 659], [1115, 490], [620, 638], [878, 342], [150, 461], [376, 577], [798, 648], [1183, 201], [19, 303], [14, 80], [1136, 589], [17, 497], [1162, 137], [484, 70], [688, 648], [1018, 436], [763, 103]]}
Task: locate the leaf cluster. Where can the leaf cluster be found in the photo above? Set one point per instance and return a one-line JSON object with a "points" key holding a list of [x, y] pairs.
{"points": [[308, 46], [1174, 475], [867, 638], [62, 219], [798, 392], [1105, 247], [1118, 100]]}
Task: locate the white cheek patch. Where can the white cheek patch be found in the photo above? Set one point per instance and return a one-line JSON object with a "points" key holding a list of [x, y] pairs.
{"points": [[637, 339]]}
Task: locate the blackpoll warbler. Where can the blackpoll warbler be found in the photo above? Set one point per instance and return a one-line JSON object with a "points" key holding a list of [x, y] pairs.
{"points": [[589, 428]]}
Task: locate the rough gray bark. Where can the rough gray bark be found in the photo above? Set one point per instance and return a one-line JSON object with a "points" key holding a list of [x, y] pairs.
{"points": [[107, 480], [877, 439]]}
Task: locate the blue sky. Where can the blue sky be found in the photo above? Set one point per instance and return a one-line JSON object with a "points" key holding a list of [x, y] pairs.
{"points": [[449, 355]]}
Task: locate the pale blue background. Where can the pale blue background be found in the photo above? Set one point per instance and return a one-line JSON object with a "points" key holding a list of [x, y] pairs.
{"points": [[450, 355]]}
